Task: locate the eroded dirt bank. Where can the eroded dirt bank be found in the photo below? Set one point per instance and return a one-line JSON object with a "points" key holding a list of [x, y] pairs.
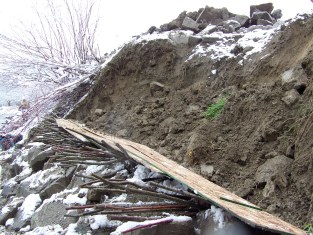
{"points": [[260, 147]]}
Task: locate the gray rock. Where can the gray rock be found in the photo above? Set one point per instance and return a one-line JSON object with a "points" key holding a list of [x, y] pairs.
{"points": [[51, 213], [246, 189], [246, 49], [37, 161], [94, 195], [24, 215], [261, 15], [190, 24], [208, 30], [56, 186], [99, 112], [291, 97], [194, 40], [213, 15], [243, 20], [271, 168], [179, 38], [267, 7], [33, 185], [23, 190], [69, 173], [10, 209], [9, 188], [122, 133], [210, 39], [206, 170], [268, 133], [152, 29], [35, 150], [269, 189], [156, 87], [233, 24], [277, 14], [264, 22]]}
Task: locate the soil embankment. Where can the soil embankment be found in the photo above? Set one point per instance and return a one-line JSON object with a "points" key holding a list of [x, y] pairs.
{"points": [[260, 147]]}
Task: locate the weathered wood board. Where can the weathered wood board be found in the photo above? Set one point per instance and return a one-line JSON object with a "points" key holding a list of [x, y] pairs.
{"points": [[238, 207]]}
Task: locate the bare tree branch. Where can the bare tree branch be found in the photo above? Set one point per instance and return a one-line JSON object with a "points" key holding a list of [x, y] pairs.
{"points": [[59, 48]]}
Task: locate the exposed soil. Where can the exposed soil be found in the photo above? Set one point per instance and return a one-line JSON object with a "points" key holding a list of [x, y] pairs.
{"points": [[254, 128]]}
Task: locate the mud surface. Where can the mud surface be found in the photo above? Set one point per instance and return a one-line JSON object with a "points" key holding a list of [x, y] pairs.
{"points": [[260, 147]]}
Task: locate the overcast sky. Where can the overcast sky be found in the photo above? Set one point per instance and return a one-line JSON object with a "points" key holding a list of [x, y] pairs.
{"points": [[121, 19]]}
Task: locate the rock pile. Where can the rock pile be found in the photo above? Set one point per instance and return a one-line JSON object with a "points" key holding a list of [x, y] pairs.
{"points": [[222, 19]]}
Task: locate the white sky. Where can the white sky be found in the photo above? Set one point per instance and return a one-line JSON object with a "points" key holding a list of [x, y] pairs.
{"points": [[121, 19]]}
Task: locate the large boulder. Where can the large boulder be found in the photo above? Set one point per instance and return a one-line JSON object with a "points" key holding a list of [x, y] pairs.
{"points": [[37, 161], [180, 38], [56, 186], [39, 181], [25, 211], [190, 24], [194, 40], [34, 150], [51, 213], [243, 20], [267, 7], [9, 188], [175, 23], [212, 15]]}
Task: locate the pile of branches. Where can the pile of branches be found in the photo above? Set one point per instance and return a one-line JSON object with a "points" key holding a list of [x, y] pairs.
{"points": [[158, 197]]}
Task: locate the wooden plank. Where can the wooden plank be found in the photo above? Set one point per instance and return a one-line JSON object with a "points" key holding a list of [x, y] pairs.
{"points": [[238, 207]]}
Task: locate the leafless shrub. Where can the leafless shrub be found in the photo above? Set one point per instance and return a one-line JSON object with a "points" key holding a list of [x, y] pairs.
{"points": [[60, 47]]}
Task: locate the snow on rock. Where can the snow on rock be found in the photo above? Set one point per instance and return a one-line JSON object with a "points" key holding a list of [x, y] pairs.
{"points": [[25, 229], [254, 38], [101, 221], [29, 205], [130, 224], [174, 184], [144, 38], [42, 177], [217, 214], [71, 230], [47, 230], [58, 197], [140, 173], [91, 169], [77, 198], [9, 222]]}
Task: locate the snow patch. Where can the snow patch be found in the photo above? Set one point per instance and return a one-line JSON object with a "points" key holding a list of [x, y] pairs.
{"points": [[29, 206], [98, 221], [47, 230], [71, 230], [140, 173], [42, 177], [130, 224], [217, 215], [9, 222], [76, 198], [174, 184]]}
